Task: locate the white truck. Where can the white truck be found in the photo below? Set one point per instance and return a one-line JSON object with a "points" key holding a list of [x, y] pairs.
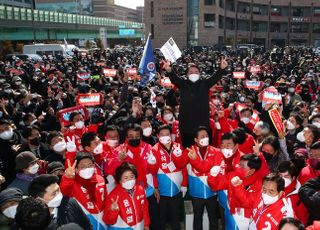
{"points": [[50, 49]]}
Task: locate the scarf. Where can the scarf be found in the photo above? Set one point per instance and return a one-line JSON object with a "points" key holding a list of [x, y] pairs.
{"points": [[89, 184]]}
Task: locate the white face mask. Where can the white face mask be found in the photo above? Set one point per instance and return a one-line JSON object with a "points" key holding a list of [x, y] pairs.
{"points": [[168, 117], [287, 181], [60, 146], [194, 77], [245, 120], [267, 200], [204, 142], [300, 137], [98, 149], [314, 113], [34, 169], [216, 101], [227, 153], [128, 184], [56, 201], [317, 124], [79, 124], [291, 90], [86, 173], [112, 143], [6, 135], [10, 212], [147, 132], [290, 126], [165, 140]]}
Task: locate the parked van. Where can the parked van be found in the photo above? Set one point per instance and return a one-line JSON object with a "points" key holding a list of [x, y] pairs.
{"points": [[49, 49]]}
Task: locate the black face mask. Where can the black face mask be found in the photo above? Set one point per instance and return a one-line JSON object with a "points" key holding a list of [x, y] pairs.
{"points": [[35, 141], [160, 104], [134, 142], [267, 156]]}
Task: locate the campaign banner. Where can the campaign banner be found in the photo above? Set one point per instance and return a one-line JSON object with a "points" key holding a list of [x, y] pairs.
{"points": [[131, 71], [83, 76], [253, 84], [171, 51], [109, 72], [239, 75], [276, 120], [17, 72], [166, 82], [255, 69], [89, 99], [64, 114], [271, 95]]}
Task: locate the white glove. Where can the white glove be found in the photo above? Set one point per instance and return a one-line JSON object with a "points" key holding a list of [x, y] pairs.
{"points": [[177, 152], [184, 191], [151, 159], [236, 181], [287, 207], [215, 170], [71, 144]]}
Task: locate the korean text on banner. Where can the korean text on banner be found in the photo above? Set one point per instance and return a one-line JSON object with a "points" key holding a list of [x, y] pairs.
{"points": [[64, 114], [110, 72], [89, 99], [239, 75], [171, 51], [276, 120]]}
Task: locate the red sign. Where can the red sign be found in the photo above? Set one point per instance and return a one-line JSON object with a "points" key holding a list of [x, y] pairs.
{"points": [[239, 75], [89, 99], [253, 84], [64, 114], [271, 95], [255, 69], [110, 72], [16, 72], [276, 120], [83, 76], [131, 71]]}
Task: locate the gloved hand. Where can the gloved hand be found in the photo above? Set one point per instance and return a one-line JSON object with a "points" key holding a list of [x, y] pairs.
{"points": [[151, 159], [71, 144], [215, 170]]}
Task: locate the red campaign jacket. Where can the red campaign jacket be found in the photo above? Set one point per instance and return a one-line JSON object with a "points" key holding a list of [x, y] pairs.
{"points": [[298, 207], [269, 217], [133, 210], [77, 133], [163, 159], [200, 166], [144, 173], [91, 198], [102, 159], [232, 163], [247, 146], [307, 173], [253, 189]]}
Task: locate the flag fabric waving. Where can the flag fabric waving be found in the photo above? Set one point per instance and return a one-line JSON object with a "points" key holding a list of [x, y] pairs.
{"points": [[147, 68]]}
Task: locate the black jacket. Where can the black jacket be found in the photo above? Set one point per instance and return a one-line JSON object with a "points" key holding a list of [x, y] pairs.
{"points": [[194, 101], [310, 196], [70, 211]]}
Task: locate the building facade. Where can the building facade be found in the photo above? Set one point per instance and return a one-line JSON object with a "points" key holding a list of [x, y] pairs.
{"points": [[231, 22]]}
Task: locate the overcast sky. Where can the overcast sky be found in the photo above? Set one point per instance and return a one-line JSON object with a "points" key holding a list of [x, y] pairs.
{"points": [[130, 3]]}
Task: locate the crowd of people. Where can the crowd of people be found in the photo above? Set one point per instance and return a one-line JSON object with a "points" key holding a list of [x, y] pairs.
{"points": [[196, 132]]}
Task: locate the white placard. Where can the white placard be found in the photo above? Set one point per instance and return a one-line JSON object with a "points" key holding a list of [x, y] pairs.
{"points": [[171, 51]]}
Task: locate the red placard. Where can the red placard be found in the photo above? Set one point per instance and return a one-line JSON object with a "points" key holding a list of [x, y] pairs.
{"points": [[131, 71], [239, 75], [110, 72], [64, 114], [16, 72], [253, 84], [276, 120], [83, 76], [89, 99], [255, 69], [271, 95]]}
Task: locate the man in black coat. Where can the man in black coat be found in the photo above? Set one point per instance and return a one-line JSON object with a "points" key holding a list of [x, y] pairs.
{"points": [[194, 98], [63, 209]]}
